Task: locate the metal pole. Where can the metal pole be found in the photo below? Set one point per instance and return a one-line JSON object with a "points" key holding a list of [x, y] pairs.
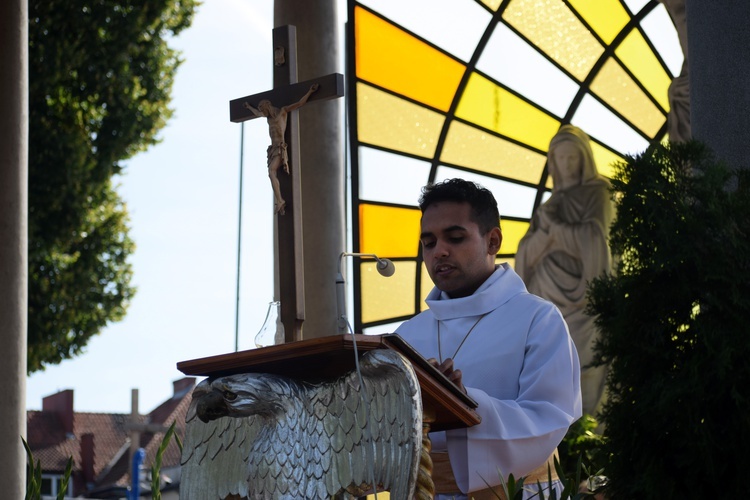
{"points": [[239, 246], [14, 125]]}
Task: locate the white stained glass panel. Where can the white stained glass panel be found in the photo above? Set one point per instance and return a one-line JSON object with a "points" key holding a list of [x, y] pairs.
{"points": [[660, 30], [512, 199], [391, 178], [597, 121], [510, 60], [380, 329], [635, 5], [453, 25]]}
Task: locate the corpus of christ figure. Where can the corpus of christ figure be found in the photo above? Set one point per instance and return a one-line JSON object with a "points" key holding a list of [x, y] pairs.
{"points": [[277, 155]]}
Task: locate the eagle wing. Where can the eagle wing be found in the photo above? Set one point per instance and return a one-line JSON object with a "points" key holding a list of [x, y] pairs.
{"points": [[214, 454], [387, 413]]}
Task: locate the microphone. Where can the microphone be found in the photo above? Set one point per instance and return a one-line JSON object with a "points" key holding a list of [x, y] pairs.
{"points": [[384, 267]]}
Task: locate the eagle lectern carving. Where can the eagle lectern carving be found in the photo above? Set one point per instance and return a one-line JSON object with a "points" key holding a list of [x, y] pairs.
{"points": [[263, 436]]}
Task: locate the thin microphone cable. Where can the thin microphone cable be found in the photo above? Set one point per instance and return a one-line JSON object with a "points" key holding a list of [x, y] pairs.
{"points": [[368, 422]]}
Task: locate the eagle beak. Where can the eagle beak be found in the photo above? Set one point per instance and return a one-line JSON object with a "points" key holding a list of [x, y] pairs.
{"points": [[211, 406]]}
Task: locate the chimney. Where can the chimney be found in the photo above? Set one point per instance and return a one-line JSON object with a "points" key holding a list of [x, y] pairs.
{"points": [[62, 404], [182, 386], [87, 458]]}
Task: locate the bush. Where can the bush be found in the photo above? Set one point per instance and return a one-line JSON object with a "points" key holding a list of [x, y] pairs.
{"points": [[582, 442], [674, 327]]}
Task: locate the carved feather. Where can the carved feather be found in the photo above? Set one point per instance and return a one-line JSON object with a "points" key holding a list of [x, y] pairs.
{"points": [[271, 437]]}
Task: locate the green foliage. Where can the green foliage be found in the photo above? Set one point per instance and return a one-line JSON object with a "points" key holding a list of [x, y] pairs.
{"points": [[65, 480], [583, 443], [100, 78], [34, 476], [674, 321], [514, 489], [156, 467]]}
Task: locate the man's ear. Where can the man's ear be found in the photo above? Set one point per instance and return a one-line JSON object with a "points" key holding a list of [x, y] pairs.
{"points": [[494, 241]]}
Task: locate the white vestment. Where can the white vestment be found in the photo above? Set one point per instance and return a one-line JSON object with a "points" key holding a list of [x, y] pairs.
{"points": [[519, 363]]}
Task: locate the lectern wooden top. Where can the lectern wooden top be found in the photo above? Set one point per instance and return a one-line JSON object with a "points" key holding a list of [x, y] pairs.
{"points": [[329, 357]]}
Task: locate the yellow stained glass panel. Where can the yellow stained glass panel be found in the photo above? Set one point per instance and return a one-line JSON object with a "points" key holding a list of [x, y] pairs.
{"points": [[618, 90], [494, 108], [393, 59], [636, 54], [394, 123], [606, 17], [513, 231], [498, 134], [551, 26], [389, 231], [471, 147], [604, 159], [387, 297]]}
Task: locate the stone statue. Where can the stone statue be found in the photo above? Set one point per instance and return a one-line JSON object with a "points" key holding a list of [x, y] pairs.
{"points": [[678, 120], [264, 436], [276, 153], [566, 247]]}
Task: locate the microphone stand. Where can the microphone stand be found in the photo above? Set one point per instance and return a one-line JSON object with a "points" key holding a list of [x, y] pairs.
{"points": [[384, 266]]}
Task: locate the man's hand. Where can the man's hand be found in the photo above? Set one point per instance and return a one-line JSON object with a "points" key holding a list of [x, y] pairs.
{"points": [[446, 368]]}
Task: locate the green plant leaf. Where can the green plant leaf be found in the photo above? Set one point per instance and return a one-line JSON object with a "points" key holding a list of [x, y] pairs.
{"points": [[65, 480], [156, 468]]}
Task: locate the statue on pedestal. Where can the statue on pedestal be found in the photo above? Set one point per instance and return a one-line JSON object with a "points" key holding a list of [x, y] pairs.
{"points": [[566, 246]]}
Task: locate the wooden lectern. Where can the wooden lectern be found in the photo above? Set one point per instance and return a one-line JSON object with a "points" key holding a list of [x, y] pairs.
{"points": [[445, 406]]}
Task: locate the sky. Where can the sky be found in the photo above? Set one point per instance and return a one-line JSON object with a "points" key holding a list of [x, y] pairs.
{"points": [[183, 199]]}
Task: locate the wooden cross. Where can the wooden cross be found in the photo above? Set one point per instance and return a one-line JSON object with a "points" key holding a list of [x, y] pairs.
{"points": [[286, 91], [135, 427]]}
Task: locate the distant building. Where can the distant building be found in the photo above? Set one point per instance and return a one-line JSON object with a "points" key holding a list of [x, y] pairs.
{"points": [[100, 444]]}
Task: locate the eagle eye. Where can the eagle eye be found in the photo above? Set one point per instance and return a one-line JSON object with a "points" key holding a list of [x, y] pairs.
{"points": [[230, 396]]}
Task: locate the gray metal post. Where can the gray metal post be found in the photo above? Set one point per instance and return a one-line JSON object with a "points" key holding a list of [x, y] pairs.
{"points": [[322, 154], [14, 121]]}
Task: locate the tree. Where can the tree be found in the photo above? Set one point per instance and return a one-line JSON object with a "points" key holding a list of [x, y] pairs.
{"points": [[100, 78], [674, 326]]}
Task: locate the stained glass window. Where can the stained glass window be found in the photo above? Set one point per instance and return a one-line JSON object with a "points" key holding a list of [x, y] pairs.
{"points": [[476, 89]]}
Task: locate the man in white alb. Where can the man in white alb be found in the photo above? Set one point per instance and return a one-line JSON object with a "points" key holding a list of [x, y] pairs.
{"points": [[508, 349]]}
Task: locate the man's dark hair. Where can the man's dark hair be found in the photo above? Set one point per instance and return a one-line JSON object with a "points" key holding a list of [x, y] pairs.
{"points": [[483, 205]]}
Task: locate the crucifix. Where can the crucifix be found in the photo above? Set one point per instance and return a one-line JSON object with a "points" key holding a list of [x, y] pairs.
{"points": [[278, 106]]}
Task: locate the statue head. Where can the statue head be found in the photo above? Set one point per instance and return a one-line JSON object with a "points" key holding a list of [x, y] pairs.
{"points": [[570, 159], [265, 106], [242, 395]]}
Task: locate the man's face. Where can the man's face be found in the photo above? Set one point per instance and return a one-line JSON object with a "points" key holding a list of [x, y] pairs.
{"points": [[457, 256]]}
